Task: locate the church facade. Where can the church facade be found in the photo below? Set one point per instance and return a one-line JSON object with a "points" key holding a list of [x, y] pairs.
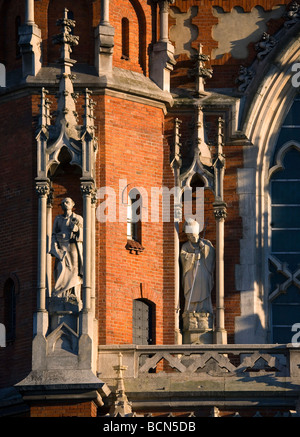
{"points": [[149, 188]]}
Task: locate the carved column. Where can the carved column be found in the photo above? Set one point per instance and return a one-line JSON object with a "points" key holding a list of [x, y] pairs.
{"points": [[87, 189], [176, 165], [164, 20], [105, 12], [220, 216], [49, 236], [29, 12], [93, 250], [42, 189], [87, 348]]}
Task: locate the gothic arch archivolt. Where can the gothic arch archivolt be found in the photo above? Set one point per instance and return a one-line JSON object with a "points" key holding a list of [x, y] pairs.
{"points": [[271, 94], [266, 102]]}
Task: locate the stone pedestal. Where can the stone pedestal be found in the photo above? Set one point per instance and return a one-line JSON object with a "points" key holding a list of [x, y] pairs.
{"points": [[197, 328], [162, 62], [64, 310], [30, 42], [104, 46]]}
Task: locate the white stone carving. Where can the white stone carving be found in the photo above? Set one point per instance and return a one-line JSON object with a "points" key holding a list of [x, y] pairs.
{"points": [[66, 247], [198, 261]]}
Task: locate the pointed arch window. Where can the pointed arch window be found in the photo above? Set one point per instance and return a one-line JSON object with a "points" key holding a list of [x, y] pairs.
{"points": [[284, 258]]}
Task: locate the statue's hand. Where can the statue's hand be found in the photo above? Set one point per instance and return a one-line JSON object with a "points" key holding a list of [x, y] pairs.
{"points": [[74, 225], [57, 253], [201, 246]]}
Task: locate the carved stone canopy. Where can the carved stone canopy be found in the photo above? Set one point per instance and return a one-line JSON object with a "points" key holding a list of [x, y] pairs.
{"points": [[79, 140]]}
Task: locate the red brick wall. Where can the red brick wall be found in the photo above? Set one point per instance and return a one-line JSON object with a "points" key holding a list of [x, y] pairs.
{"points": [[18, 231], [132, 148], [8, 35], [139, 15], [66, 409], [87, 17]]}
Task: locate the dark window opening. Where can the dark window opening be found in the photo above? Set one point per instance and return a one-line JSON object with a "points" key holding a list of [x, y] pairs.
{"points": [[285, 247], [134, 216], [125, 39]]}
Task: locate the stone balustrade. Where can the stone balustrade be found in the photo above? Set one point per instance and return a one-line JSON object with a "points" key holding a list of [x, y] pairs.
{"points": [[202, 361]]}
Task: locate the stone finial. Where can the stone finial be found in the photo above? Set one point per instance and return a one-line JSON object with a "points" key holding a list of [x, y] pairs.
{"points": [[200, 72], [121, 407], [65, 38], [66, 109]]}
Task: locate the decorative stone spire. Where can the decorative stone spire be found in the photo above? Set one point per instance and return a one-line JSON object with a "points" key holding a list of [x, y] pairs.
{"points": [[121, 406], [66, 108], [200, 72]]}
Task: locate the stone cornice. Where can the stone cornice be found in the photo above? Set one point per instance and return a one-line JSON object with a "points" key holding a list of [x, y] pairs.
{"points": [[123, 84]]}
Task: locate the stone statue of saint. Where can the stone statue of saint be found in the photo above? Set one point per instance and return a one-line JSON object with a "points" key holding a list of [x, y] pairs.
{"points": [[66, 247], [198, 262]]}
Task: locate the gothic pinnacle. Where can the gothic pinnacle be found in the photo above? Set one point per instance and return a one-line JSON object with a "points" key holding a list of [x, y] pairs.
{"points": [[66, 108]]}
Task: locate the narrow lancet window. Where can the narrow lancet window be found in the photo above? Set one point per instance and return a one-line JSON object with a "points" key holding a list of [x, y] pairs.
{"points": [[125, 38], [134, 218]]}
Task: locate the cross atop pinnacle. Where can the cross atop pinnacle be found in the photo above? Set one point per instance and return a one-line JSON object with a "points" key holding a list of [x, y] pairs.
{"points": [[65, 38], [66, 109], [200, 72]]}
